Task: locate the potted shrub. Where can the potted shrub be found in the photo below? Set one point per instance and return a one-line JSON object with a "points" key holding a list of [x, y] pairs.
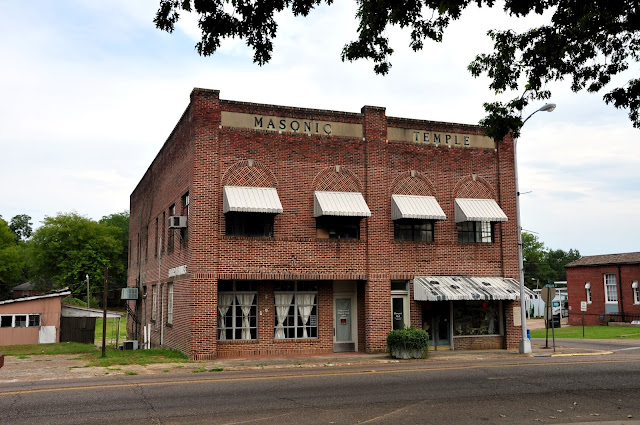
{"points": [[408, 343]]}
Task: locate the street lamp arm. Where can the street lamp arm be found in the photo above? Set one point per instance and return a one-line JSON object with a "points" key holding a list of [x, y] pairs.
{"points": [[547, 107]]}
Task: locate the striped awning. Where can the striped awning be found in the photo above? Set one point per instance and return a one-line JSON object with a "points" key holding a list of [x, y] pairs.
{"points": [[454, 288], [251, 199], [347, 204], [416, 207], [468, 209]]}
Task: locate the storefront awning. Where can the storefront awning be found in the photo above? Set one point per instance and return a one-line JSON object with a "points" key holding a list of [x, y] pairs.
{"points": [[468, 209], [416, 207], [446, 288], [251, 199], [347, 204]]}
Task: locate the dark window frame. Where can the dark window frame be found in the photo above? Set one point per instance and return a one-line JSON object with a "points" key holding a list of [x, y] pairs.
{"points": [[414, 230], [252, 225], [338, 227], [476, 231]]}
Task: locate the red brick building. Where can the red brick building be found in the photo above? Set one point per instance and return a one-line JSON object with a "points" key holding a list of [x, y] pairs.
{"points": [[609, 286], [272, 230]]}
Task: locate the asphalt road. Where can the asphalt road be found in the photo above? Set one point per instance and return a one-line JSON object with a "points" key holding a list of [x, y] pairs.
{"points": [[594, 389]]}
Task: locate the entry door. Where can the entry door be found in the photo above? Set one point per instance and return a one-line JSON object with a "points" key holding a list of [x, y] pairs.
{"points": [[436, 316], [343, 320]]}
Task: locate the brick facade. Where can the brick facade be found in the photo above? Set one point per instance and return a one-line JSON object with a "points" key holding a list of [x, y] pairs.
{"points": [[204, 153], [593, 270]]}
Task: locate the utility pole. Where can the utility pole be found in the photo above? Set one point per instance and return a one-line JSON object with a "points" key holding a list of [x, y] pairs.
{"points": [[104, 312], [87, 279]]}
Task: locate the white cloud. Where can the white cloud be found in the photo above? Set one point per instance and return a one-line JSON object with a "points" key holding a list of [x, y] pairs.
{"points": [[91, 92]]}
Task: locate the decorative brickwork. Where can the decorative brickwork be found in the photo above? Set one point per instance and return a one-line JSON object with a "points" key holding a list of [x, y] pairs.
{"points": [[337, 179], [474, 187], [412, 183], [249, 173]]}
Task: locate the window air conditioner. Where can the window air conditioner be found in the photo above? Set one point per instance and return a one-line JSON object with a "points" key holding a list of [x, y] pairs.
{"points": [[130, 345], [177, 221], [129, 294]]}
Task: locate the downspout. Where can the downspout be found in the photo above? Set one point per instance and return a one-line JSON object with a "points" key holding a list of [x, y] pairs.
{"points": [[161, 314], [620, 290]]}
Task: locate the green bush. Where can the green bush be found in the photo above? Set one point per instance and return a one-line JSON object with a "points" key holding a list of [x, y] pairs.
{"points": [[413, 341]]}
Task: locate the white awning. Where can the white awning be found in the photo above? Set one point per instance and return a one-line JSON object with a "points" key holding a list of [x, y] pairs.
{"points": [[348, 204], [468, 209], [251, 199], [446, 288], [417, 207]]}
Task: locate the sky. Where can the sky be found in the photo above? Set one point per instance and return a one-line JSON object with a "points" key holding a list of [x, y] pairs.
{"points": [[90, 90]]}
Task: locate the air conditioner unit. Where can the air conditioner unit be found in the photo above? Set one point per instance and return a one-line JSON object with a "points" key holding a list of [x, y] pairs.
{"points": [[129, 294], [177, 221], [130, 345]]}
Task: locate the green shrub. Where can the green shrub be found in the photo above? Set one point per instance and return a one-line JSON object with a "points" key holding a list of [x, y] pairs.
{"points": [[413, 341]]}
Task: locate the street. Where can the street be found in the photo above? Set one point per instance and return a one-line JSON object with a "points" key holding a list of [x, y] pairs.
{"points": [[594, 389]]}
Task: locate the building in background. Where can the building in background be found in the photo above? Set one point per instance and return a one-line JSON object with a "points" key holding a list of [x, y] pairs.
{"points": [[608, 284], [32, 320], [272, 230], [26, 289]]}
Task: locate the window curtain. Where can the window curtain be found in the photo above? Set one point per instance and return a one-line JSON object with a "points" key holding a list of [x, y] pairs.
{"points": [[305, 305], [246, 302], [283, 302], [224, 302]]}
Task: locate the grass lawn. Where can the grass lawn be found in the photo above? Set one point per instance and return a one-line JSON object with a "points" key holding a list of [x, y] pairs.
{"points": [[47, 349], [591, 332], [92, 354], [112, 325]]}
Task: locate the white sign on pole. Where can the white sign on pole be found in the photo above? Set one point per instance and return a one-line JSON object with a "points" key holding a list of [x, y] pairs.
{"points": [[583, 306]]}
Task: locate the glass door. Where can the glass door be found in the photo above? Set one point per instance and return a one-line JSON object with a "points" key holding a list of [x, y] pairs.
{"points": [[435, 318]]}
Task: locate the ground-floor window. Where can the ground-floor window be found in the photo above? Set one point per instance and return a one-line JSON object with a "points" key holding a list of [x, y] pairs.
{"points": [[237, 310], [19, 320], [296, 310], [476, 318]]}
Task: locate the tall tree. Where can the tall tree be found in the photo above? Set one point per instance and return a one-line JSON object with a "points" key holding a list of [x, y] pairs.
{"points": [[536, 269], [118, 272], [557, 259], [12, 260], [68, 246], [588, 41], [21, 226]]}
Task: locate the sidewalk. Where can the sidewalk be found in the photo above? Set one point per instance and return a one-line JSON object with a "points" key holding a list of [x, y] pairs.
{"points": [[36, 368]]}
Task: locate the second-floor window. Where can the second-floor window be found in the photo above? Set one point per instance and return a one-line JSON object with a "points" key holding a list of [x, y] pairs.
{"points": [[476, 231], [249, 224], [337, 227], [413, 230]]}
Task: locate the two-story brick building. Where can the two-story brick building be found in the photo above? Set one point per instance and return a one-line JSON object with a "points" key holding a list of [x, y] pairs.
{"points": [[271, 230]]}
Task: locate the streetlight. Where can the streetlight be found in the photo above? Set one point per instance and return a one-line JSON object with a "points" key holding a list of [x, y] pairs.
{"points": [[525, 343]]}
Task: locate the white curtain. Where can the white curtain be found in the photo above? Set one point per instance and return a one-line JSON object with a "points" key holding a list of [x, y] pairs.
{"points": [[224, 302], [305, 305], [245, 301], [283, 302]]}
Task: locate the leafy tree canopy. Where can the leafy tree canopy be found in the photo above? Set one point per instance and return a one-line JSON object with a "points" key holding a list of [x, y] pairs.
{"points": [[542, 265], [586, 41], [68, 246], [21, 226], [12, 260]]}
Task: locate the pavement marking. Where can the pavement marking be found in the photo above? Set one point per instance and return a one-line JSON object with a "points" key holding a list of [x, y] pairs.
{"points": [[630, 348], [301, 376]]}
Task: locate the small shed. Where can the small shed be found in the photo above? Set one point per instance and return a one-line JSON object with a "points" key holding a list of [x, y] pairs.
{"points": [[79, 323], [32, 320]]}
